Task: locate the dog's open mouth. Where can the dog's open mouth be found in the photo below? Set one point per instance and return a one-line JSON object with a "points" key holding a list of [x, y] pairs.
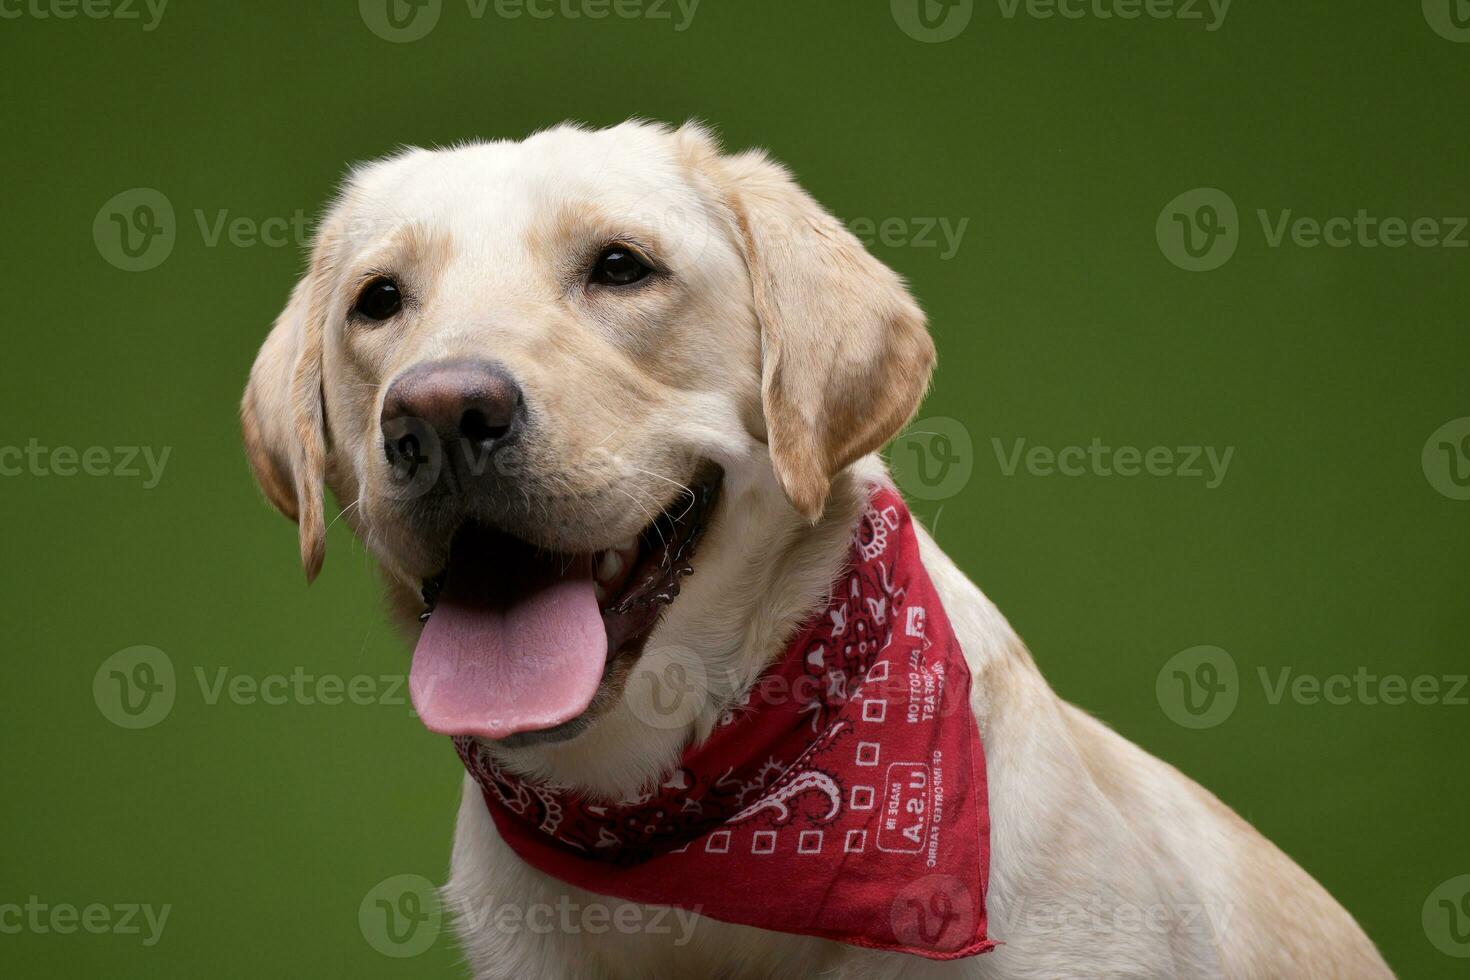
{"points": [[517, 639]]}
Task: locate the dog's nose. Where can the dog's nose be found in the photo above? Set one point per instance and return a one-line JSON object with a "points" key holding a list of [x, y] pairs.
{"points": [[476, 401]]}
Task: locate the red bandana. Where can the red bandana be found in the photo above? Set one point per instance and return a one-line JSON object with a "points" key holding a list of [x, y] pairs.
{"points": [[844, 797]]}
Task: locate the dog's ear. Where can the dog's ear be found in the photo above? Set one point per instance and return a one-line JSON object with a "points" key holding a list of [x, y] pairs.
{"points": [[282, 414], [845, 354]]}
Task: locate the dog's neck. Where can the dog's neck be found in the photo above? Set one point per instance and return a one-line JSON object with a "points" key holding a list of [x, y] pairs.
{"points": [[760, 573]]}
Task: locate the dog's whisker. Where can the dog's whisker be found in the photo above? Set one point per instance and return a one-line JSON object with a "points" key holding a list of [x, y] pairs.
{"points": [[693, 497], [343, 512]]}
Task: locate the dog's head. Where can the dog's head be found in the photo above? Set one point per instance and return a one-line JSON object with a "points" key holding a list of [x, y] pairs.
{"points": [[527, 370]]}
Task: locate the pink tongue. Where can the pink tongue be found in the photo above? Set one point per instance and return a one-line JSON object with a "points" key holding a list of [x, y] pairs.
{"points": [[516, 647]]}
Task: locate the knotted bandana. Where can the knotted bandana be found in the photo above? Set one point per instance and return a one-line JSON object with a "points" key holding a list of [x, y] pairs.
{"points": [[844, 797]]}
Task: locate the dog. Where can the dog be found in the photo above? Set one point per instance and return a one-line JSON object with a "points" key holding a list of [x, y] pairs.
{"points": [[623, 346]]}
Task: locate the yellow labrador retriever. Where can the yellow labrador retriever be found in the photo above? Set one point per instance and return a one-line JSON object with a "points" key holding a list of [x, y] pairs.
{"points": [[604, 345]]}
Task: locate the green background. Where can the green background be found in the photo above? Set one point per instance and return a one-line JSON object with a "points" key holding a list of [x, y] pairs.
{"points": [[1326, 548]]}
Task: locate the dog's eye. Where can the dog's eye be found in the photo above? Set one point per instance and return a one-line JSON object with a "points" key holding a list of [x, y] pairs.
{"points": [[379, 300], [619, 266]]}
